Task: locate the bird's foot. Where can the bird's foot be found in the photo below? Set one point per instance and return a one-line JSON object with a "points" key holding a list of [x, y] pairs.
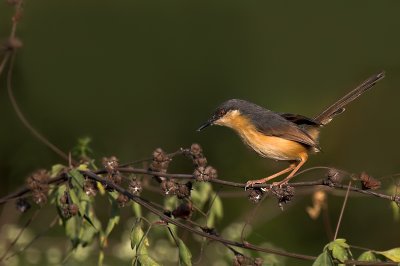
{"points": [[250, 183], [279, 184]]}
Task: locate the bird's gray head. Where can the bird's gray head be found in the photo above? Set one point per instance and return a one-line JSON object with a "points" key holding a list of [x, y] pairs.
{"points": [[229, 113]]}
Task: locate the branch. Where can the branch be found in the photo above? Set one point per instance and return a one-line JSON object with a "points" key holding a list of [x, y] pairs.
{"points": [[146, 204], [320, 182], [164, 217], [9, 56]]}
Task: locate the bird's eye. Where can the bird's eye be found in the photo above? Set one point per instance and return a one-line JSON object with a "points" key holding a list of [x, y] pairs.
{"points": [[221, 112]]}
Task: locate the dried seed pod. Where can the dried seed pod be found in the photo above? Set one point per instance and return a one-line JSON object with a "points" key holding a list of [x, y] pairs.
{"points": [[160, 156], [199, 173], [122, 200], [160, 163], [368, 182], [183, 190], [210, 173], [239, 260], [169, 187], [64, 199], [39, 198], [90, 187], [258, 262], [205, 173], [255, 195], [196, 150], [202, 161], [73, 209], [334, 176], [111, 164], [284, 194], [135, 187], [117, 178], [183, 211], [22, 205], [65, 211], [38, 184], [196, 154]]}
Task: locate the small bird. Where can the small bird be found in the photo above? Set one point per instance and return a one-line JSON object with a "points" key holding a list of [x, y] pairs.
{"points": [[281, 136]]}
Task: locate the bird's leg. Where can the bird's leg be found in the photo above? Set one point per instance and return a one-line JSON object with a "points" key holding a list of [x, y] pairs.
{"points": [[290, 176], [250, 183]]}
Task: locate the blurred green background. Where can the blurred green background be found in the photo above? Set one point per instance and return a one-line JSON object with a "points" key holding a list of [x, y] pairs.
{"points": [[136, 75]]}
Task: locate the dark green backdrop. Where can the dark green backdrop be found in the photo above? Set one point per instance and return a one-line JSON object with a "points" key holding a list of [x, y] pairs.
{"points": [[136, 75]]}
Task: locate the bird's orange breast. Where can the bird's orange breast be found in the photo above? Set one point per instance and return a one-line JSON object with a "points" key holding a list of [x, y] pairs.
{"points": [[267, 146]]}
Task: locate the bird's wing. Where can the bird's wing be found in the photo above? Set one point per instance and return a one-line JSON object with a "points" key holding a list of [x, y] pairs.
{"points": [[273, 124], [299, 119]]}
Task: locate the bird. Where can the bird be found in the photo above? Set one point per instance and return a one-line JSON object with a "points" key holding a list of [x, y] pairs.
{"points": [[281, 136]]}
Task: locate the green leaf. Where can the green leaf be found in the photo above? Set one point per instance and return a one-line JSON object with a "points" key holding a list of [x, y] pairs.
{"points": [[56, 169], [216, 211], [75, 199], [83, 167], [77, 177], [340, 249], [136, 234], [340, 253], [146, 260], [170, 203], [392, 254], [82, 148], [174, 229], [218, 208], [201, 193], [90, 228], [395, 210], [324, 259], [101, 258], [338, 242], [367, 256], [140, 242], [72, 228], [114, 218], [185, 257], [137, 209]]}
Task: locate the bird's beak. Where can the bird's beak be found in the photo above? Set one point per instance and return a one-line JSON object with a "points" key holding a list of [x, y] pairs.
{"points": [[206, 124]]}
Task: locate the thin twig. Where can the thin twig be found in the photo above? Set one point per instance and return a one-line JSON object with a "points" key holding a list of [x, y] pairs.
{"points": [[10, 56], [4, 61], [342, 211], [22, 117], [9, 50]]}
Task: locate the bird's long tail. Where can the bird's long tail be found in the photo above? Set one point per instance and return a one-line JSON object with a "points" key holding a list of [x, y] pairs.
{"points": [[339, 106]]}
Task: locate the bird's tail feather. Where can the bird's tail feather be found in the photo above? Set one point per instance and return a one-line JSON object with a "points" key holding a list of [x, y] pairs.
{"points": [[339, 106]]}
